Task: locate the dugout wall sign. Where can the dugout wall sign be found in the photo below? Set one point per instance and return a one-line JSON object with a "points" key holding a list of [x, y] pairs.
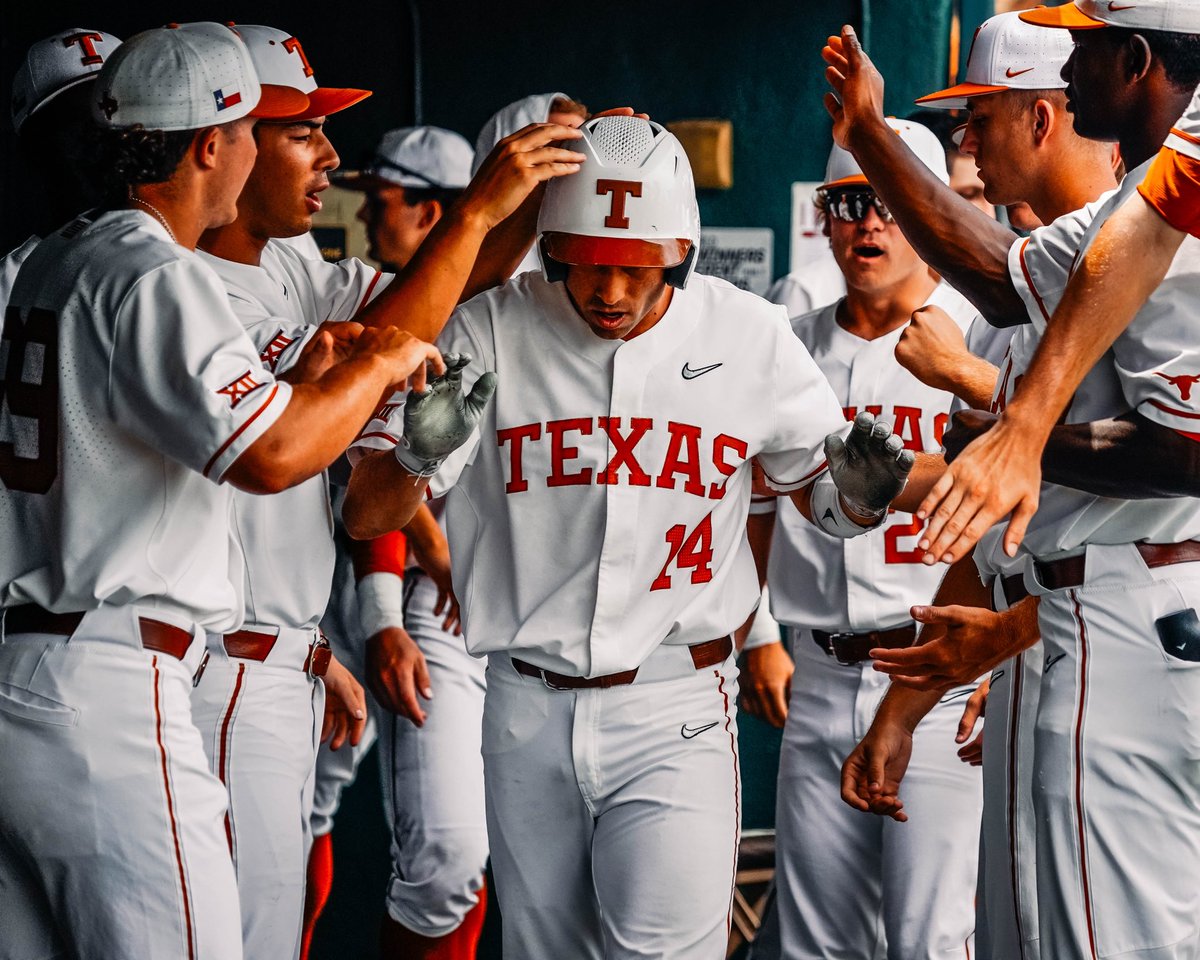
{"points": [[741, 255]]}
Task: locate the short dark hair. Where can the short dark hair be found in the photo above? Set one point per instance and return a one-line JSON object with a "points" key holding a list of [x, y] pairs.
{"points": [[446, 196], [128, 156], [1179, 53]]}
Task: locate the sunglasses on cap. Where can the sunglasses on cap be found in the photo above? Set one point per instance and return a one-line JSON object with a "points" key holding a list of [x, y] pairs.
{"points": [[851, 206]]}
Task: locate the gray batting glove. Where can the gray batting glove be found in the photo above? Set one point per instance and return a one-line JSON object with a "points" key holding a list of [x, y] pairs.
{"points": [[439, 419], [870, 466]]}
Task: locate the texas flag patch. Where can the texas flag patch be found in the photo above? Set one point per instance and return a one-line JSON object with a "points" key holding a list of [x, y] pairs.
{"points": [[225, 100]]}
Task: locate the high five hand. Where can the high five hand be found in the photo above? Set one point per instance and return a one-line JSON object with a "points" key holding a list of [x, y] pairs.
{"points": [[870, 466], [439, 419]]}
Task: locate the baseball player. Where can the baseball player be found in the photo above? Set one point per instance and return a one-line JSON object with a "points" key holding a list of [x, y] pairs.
{"points": [[1142, 239], [536, 108], [598, 547], [1086, 554], [848, 885], [52, 113], [431, 766], [256, 699], [119, 531]]}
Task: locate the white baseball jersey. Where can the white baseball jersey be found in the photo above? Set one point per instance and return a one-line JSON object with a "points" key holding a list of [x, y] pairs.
{"points": [[9, 267], [1151, 368], [665, 424], [1172, 182], [870, 581], [139, 390], [286, 540], [815, 285]]}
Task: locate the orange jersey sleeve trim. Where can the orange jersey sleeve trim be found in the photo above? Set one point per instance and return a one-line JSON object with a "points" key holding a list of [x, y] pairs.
{"points": [[1029, 281], [239, 431], [384, 554], [1172, 188]]}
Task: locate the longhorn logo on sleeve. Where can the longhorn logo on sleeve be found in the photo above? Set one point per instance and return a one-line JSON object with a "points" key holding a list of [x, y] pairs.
{"points": [[1183, 383]]}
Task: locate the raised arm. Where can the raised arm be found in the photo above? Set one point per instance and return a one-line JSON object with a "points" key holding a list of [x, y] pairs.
{"points": [[423, 295], [952, 235], [1001, 471]]}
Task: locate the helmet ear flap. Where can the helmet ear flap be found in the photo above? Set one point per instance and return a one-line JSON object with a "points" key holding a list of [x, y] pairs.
{"points": [[553, 270], [679, 275]]}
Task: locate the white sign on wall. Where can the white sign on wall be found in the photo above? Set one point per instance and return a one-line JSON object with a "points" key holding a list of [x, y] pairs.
{"points": [[742, 255], [808, 242]]}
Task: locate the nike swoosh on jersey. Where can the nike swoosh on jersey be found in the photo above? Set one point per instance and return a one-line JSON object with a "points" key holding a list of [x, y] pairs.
{"points": [[688, 732], [690, 374], [1051, 661]]}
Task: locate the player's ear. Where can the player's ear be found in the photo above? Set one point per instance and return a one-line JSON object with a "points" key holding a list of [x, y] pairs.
{"points": [[431, 213], [1044, 120], [206, 146]]}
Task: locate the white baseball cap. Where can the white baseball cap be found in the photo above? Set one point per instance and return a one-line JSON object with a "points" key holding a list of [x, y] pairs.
{"points": [[57, 64], [1171, 16], [281, 62], [416, 157], [843, 170], [185, 77], [1007, 54]]}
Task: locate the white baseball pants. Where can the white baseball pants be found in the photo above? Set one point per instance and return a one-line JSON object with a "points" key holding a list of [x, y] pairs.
{"points": [[613, 814], [260, 726], [854, 886], [1117, 775], [433, 780], [112, 823], [1006, 910]]}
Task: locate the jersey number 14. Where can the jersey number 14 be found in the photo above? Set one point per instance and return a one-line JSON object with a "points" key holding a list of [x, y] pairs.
{"points": [[688, 551]]}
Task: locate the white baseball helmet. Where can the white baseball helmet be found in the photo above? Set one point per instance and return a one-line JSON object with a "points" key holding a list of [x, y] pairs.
{"points": [[632, 204]]}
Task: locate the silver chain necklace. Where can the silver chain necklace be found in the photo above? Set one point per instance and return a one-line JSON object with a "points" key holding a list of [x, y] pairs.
{"points": [[156, 213]]}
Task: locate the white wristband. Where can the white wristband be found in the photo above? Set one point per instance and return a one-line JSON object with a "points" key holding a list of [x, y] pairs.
{"points": [[831, 516], [380, 602]]}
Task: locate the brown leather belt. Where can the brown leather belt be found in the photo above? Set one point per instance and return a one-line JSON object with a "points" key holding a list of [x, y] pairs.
{"points": [[156, 636], [706, 654], [850, 649], [252, 645], [1070, 571]]}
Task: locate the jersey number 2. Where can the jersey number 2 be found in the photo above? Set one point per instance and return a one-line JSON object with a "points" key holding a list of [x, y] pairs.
{"points": [[688, 551], [30, 343]]}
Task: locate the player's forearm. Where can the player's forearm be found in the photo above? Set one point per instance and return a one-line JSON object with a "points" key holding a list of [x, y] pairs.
{"points": [[1129, 457], [976, 382], [956, 238], [321, 420], [424, 294], [423, 529], [1125, 264], [505, 246], [760, 529], [382, 496], [925, 473], [906, 706]]}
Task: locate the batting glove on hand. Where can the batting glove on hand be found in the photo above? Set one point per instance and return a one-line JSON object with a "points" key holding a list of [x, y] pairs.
{"points": [[439, 419], [870, 466]]}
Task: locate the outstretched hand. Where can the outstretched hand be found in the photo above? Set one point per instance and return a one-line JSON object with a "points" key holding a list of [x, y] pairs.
{"points": [[872, 773], [439, 419], [870, 466], [857, 95], [967, 642]]}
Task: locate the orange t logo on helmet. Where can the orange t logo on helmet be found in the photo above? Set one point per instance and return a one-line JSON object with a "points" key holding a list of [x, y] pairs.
{"points": [[619, 189]]}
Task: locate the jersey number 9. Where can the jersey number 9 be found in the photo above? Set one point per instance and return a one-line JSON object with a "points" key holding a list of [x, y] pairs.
{"points": [[29, 401]]}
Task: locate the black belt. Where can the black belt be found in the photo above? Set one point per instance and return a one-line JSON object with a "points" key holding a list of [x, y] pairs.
{"points": [[853, 648]]}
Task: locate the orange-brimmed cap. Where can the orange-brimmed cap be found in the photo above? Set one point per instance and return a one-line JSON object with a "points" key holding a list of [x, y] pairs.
{"points": [[1169, 16], [582, 250], [283, 65], [1068, 16], [1007, 54]]}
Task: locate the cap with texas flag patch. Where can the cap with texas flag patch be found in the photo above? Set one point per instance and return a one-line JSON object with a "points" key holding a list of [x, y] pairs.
{"points": [[1170, 16], [282, 63], [185, 77], [1007, 54]]}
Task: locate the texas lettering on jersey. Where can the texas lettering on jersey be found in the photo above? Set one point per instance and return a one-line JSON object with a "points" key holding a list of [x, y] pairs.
{"points": [[906, 423], [682, 462]]}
